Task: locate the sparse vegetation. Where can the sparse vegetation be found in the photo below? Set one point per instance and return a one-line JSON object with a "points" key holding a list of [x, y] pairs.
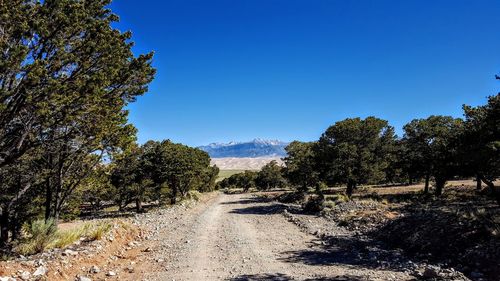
{"points": [[40, 235]]}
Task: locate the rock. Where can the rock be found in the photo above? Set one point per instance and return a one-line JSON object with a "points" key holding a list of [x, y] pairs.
{"points": [[6, 279], [25, 275], [160, 260], [94, 269], [431, 272], [69, 252], [111, 273], [40, 271], [83, 278]]}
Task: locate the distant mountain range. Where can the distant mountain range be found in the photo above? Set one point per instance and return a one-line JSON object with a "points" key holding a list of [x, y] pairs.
{"points": [[255, 148]]}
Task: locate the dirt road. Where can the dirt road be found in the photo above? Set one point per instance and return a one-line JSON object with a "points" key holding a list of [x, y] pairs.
{"points": [[239, 237]]}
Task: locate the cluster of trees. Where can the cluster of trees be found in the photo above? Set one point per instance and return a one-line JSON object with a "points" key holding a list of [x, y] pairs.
{"points": [[358, 151], [159, 171], [66, 78], [269, 177]]}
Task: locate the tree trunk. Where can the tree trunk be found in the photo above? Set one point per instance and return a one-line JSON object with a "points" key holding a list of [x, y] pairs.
{"points": [[138, 204], [173, 199], [492, 188], [4, 227], [48, 200], [478, 182], [426, 187], [351, 185], [440, 182]]}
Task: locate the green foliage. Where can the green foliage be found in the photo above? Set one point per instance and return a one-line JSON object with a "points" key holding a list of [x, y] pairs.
{"points": [[159, 170], [355, 151], [244, 180], [66, 77], [224, 174], [300, 165], [433, 145], [39, 235], [270, 176], [480, 150]]}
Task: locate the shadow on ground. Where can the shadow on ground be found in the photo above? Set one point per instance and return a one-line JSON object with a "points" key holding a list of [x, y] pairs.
{"points": [[355, 251], [246, 201], [284, 277], [265, 207]]}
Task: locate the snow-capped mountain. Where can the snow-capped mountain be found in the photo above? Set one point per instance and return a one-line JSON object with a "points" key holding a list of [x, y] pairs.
{"points": [[256, 148]]}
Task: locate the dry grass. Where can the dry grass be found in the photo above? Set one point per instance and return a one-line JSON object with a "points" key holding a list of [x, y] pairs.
{"points": [[41, 235]]}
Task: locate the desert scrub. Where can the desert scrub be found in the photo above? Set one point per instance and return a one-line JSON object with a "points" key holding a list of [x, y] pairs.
{"points": [[193, 195], [41, 235], [97, 231], [337, 198]]}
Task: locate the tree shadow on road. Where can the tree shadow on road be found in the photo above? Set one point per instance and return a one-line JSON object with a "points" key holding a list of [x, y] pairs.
{"points": [[265, 207], [260, 210], [353, 251], [284, 277], [261, 277], [246, 201]]}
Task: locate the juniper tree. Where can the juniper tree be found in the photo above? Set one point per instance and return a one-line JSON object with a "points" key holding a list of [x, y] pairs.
{"points": [[433, 144], [481, 143], [66, 76], [355, 151], [300, 164]]}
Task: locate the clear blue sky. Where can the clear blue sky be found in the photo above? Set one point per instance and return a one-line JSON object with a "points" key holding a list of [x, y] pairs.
{"points": [[241, 69]]}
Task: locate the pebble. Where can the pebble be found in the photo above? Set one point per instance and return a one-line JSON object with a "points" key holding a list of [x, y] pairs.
{"points": [[40, 271]]}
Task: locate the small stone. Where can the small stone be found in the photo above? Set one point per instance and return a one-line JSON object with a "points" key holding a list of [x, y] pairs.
{"points": [[111, 273], [69, 252], [40, 271], [25, 275], [94, 269], [83, 278]]}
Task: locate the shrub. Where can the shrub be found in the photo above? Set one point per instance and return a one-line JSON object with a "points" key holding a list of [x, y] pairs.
{"points": [[338, 198], [193, 195], [96, 232], [42, 236], [38, 237], [314, 204]]}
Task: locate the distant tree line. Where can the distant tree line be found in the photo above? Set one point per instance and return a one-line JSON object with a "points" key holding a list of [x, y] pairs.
{"points": [[268, 177], [66, 78], [358, 151]]}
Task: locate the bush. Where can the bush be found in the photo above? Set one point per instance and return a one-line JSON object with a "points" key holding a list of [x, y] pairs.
{"points": [[42, 236], [193, 195], [337, 198], [292, 197], [97, 231], [314, 204], [38, 237]]}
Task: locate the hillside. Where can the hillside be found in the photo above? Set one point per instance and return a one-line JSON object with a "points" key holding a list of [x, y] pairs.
{"points": [[251, 149]]}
